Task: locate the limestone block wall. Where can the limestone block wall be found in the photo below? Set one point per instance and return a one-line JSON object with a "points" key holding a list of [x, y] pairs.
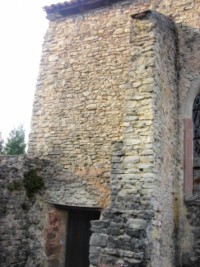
{"points": [[165, 145], [137, 228], [188, 82], [91, 61], [79, 99]]}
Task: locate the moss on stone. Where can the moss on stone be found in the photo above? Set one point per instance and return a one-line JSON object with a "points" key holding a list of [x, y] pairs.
{"points": [[5, 210], [32, 182], [15, 185]]}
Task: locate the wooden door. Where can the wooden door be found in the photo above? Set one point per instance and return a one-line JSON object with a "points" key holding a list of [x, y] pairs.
{"points": [[78, 237]]}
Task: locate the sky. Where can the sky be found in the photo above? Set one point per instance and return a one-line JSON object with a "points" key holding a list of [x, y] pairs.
{"points": [[23, 25]]}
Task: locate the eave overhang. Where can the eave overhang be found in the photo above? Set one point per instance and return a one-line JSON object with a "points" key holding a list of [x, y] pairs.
{"points": [[73, 7]]}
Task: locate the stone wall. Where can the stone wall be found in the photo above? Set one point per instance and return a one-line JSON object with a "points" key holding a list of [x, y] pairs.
{"points": [[165, 184], [138, 227], [13, 218], [79, 99], [33, 232], [110, 73]]}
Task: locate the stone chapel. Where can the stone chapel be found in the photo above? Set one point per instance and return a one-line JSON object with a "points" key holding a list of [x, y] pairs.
{"points": [[112, 173]]}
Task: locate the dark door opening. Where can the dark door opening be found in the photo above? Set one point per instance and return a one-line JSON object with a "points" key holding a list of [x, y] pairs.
{"points": [[78, 236]]}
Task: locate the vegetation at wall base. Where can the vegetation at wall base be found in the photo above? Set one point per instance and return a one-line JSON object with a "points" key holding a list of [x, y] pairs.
{"points": [[15, 185]]}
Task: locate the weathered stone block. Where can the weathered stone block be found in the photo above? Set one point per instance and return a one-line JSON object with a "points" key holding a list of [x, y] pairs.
{"points": [[99, 240]]}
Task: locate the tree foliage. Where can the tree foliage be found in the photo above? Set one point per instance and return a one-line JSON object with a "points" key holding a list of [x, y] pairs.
{"points": [[15, 144], [1, 144]]}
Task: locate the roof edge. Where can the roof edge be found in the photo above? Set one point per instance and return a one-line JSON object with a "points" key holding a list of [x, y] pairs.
{"points": [[60, 10]]}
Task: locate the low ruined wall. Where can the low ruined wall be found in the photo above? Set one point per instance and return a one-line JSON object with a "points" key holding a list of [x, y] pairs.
{"points": [[13, 216], [33, 232]]}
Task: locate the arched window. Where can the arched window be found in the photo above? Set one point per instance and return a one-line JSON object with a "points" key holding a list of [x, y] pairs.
{"points": [[192, 141], [196, 145]]}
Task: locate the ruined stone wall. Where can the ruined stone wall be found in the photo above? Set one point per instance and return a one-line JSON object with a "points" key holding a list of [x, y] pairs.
{"points": [[32, 232], [33, 223], [13, 218]]}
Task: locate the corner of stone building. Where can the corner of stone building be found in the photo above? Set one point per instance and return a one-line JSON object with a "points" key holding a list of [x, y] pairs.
{"points": [[164, 229], [142, 206]]}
